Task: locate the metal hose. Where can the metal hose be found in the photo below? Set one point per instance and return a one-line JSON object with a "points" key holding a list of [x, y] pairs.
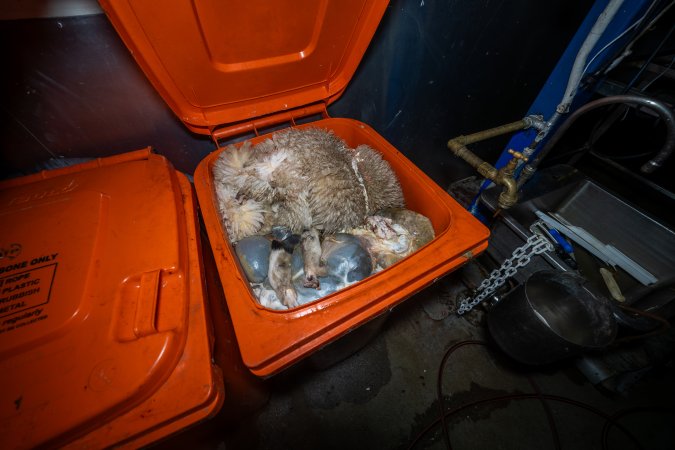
{"points": [[655, 105]]}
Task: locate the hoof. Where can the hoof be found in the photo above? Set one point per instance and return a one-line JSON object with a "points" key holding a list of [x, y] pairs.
{"points": [[311, 281], [290, 298]]}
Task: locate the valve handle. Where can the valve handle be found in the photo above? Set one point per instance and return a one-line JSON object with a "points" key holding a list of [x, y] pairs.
{"points": [[517, 155]]}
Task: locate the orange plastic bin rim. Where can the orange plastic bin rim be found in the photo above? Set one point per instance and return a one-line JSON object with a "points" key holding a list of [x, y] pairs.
{"points": [[272, 340], [218, 62], [103, 331]]}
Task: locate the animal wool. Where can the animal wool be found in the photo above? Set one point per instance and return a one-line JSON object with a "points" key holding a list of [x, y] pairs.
{"points": [[301, 179]]}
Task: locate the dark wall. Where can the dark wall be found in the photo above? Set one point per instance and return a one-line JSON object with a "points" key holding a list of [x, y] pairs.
{"points": [[72, 89], [448, 68], [435, 69]]}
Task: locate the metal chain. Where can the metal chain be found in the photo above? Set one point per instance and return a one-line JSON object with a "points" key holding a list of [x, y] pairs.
{"points": [[535, 245]]}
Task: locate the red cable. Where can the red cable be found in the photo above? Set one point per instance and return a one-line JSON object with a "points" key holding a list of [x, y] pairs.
{"points": [[626, 412], [532, 396], [549, 414], [439, 387], [609, 420]]}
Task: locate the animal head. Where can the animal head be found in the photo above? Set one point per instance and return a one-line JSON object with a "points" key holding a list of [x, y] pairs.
{"points": [[379, 179]]}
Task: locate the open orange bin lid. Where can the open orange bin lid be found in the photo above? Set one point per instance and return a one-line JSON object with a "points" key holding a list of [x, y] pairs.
{"points": [[218, 63], [230, 67], [103, 328]]}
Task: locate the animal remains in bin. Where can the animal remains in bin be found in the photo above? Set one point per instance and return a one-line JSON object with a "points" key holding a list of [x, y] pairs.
{"points": [[291, 189]]}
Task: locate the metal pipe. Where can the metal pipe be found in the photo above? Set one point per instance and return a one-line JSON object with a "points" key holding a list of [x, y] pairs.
{"points": [[503, 176], [490, 133], [655, 105]]}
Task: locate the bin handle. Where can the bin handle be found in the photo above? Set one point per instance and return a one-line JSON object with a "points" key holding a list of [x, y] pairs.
{"points": [[146, 305]]}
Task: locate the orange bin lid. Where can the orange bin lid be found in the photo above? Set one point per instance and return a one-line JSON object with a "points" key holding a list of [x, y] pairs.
{"points": [[218, 62], [103, 328]]}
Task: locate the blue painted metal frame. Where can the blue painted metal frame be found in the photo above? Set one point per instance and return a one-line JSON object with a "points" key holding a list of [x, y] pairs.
{"points": [[551, 93]]}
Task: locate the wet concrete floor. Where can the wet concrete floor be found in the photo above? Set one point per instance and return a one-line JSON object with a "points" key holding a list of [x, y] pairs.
{"points": [[384, 395]]}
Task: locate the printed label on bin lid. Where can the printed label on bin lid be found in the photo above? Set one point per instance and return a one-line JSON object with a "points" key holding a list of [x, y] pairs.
{"points": [[93, 297], [218, 63]]}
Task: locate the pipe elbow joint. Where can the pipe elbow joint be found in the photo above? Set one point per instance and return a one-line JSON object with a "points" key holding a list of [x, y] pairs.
{"points": [[509, 195], [535, 121]]}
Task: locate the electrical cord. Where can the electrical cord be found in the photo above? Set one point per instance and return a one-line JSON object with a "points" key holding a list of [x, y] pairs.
{"points": [[628, 50], [633, 25], [663, 72], [610, 420], [627, 412], [549, 414], [532, 396], [439, 387], [665, 325], [648, 61]]}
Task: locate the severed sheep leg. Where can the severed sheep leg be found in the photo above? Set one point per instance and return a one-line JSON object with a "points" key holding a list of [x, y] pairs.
{"points": [[279, 274], [311, 254]]}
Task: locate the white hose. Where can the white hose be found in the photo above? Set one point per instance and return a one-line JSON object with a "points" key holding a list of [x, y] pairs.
{"points": [[580, 62]]}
